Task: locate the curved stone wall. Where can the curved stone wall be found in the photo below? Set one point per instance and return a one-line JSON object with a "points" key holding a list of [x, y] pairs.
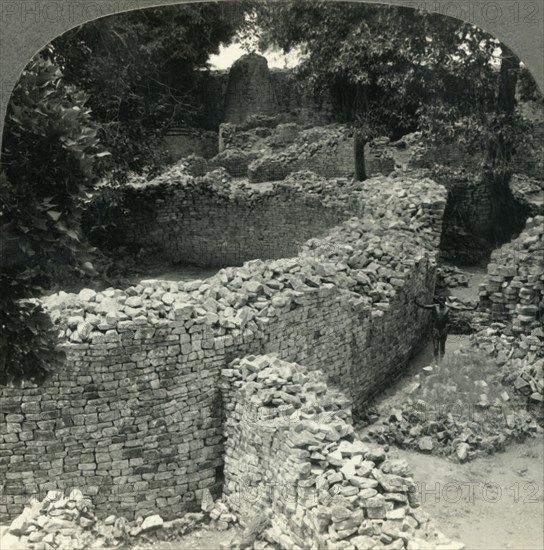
{"points": [[135, 419], [195, 221], [291, 452]]}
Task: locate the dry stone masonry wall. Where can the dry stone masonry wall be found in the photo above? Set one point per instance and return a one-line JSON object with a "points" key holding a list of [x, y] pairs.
{"points": [[191, 220], [239, 95], [291, 451], [135, 420], [514, 289], [271, 154]]}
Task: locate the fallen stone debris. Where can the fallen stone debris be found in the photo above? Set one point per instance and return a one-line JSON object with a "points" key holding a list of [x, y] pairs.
{"points": [[497, 382], [69, 523], [479, 418], [450, 276]]}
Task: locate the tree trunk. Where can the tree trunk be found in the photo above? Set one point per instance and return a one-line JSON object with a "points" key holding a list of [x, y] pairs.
{"points": [[361, 108], [506, 99], [498, 169], [359, 150]]}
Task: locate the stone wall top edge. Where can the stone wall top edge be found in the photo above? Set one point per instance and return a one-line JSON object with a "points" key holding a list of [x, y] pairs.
{"points": [[322, 266]]}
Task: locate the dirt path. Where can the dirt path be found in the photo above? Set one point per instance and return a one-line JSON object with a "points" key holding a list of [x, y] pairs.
{"points": [[491, 503], [176, 273], [476, 276]]}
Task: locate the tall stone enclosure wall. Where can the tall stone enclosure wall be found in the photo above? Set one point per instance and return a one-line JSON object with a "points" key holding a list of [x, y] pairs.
{"points": [[198, 225], [135, 418], [250, 90]]}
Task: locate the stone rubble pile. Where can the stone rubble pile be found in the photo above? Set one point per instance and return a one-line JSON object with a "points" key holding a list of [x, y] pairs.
{"points": [[482, 414], [514, 289], [521, 358], [528, 192], [450, 276], [504, 403], [368, 256], [69, 523], [290, 446], [512, 394], [267, 153], [57, 522]]}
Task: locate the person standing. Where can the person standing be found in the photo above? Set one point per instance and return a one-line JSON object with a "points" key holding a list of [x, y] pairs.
{"points": [[441, 323]]}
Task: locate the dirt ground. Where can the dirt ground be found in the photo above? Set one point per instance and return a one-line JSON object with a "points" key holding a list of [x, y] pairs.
{"points": [[476, 276], [200, 539], [491, 503]]}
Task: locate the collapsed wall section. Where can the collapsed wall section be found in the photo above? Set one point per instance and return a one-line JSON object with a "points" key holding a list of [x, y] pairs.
{"points": [[274, 153], [140, 426], [291, 453]]}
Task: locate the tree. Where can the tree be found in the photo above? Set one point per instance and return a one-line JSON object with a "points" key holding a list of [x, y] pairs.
{"points": [[393, 70], [367, 56], [49, 147], [141, 70]]}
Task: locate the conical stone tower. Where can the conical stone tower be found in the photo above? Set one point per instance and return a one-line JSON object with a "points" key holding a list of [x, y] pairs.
{"points": [[249, 90]]}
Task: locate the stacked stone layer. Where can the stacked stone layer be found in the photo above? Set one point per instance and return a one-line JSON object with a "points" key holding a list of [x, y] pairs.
{"points": [[514, 289], [135, 419]]}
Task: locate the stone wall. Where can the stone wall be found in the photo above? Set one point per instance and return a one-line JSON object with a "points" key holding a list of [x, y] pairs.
{"points": [[131, 420], [135, 418], [529, 193], [468, 221], [290, 97], [192, 221], [274, 153], [184, 141], [249, 89], [514, 289], [291, 453]]}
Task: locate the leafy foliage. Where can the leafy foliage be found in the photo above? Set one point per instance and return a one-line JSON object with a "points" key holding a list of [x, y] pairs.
{"points": [[27, 338], [49, 147], [376, 60], [394, 70], [141, 70]]}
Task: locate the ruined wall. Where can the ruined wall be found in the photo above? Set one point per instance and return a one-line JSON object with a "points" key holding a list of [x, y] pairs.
{"points": [[529, 193], [196, 223], [184, 141], [290, 97], [468, 220], [132, 419], [291, 453], [514, 289], [135, 417], [249, 89], [274, 153]]}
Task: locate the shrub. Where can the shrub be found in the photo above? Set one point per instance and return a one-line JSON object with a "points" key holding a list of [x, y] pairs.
{"points": [[49, 148]]}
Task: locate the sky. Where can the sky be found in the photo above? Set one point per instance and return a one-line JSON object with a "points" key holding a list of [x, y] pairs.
{"points": [[228, 55]]}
